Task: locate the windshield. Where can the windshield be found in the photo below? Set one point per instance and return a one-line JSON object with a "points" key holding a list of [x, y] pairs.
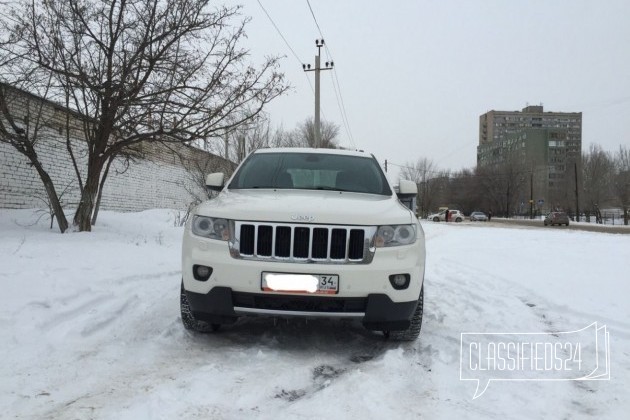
{"points": [[311, 171]]}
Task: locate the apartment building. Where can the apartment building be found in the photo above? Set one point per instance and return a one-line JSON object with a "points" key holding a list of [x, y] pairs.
{"points": [[544, 145]]}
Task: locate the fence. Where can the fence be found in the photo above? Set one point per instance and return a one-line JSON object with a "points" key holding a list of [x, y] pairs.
{"points": [[609, 217]]}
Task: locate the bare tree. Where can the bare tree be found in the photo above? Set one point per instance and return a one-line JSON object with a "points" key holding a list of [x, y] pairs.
{"points": [[197, 170], [598, 171], [466, 191], [441, 187], [622, 180], [282, 138], [49, 210], [328, 130], [504, 183], [24, 135], [247, 138], [422, 173], [139, 71], [304, 135]]}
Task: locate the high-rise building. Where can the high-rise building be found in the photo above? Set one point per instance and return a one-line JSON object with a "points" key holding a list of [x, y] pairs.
{"points": [[545, 145]]}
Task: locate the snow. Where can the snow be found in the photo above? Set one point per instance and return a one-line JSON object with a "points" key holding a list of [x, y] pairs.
{"points": [[90, 328]]}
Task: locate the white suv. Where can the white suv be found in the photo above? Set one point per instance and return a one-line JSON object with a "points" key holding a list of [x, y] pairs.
{"points": [[454, 216], [306, 233]]}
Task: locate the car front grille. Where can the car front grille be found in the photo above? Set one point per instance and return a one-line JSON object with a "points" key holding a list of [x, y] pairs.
{"points": [[299, 243]]}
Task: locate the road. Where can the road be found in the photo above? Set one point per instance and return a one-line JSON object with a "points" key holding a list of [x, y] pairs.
{"points": [[589, 227]]}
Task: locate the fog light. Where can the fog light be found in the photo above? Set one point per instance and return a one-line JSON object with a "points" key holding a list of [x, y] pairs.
{"points": [[201, 272], [399, 281]]}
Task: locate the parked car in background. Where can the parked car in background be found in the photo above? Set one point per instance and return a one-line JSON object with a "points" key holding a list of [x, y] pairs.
{"points": [[478, 216], [556, 218], [455, 216]]}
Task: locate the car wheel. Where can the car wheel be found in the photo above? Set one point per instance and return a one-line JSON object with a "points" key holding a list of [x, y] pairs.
{"points": [[436, 219], [189, 320], [459, 219], [411, 333]]}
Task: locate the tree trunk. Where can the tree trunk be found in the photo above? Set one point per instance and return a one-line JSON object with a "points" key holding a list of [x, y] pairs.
{"points": [[83, 216], [53, 200], [100, 190]]}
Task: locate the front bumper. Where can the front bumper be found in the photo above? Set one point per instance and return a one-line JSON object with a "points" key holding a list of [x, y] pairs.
{"points": [[221, 305], [364, 290]]}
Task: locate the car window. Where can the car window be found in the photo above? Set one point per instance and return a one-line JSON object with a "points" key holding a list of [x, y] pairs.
{"points": [[310, 171]]}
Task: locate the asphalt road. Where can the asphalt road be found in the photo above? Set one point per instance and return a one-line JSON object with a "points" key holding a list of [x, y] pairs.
{"points": [[591, 227]]}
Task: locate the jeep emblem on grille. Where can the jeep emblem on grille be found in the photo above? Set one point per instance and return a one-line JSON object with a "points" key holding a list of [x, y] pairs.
{"points": [[302, 218]]}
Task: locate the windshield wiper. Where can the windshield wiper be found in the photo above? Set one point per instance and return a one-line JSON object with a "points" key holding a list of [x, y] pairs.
{"points": [[326, 188]]}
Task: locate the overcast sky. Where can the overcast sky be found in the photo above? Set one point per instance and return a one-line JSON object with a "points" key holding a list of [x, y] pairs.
{"points": [[415, 76]]}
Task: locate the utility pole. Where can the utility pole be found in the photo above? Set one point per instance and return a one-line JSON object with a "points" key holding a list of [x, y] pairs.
{"points": [[385, 165], [319, 43]]}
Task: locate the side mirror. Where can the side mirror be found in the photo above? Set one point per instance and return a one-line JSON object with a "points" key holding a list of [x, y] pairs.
{"points": [[215, 181], [407, 189]]}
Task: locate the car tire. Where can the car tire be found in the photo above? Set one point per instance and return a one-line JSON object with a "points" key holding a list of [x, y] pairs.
{"points": [[189, 320], [411, 333], [436, 219], [459, 219]]}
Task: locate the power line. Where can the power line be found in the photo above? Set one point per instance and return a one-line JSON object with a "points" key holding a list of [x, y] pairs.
{"points": [[279, 32], [459, 148], [336, 85], [286, 42], [314, 18], [340, 103]]}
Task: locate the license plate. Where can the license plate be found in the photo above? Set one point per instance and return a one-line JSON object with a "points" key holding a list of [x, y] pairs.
{"points": [[320, 284]]}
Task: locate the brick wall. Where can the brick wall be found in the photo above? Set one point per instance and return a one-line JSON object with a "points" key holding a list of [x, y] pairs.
{"points": [[162, 177]]}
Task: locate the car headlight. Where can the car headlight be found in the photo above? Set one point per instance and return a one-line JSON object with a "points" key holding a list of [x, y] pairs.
{"points": [[395, 235], [210, 227]]}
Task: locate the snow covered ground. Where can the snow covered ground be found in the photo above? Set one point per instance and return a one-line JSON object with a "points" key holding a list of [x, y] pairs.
{"points": [[90, 328]]}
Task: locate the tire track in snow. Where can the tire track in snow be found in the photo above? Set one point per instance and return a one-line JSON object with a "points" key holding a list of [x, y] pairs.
{"points": [[517, 306], [108, 316]]}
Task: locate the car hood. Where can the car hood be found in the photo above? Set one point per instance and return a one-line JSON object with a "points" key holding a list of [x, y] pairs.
{"points": [[302, 206]]}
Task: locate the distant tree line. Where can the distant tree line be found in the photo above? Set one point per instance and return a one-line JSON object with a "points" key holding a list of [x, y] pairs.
{"points": [[603, 181], [239, 142]]}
